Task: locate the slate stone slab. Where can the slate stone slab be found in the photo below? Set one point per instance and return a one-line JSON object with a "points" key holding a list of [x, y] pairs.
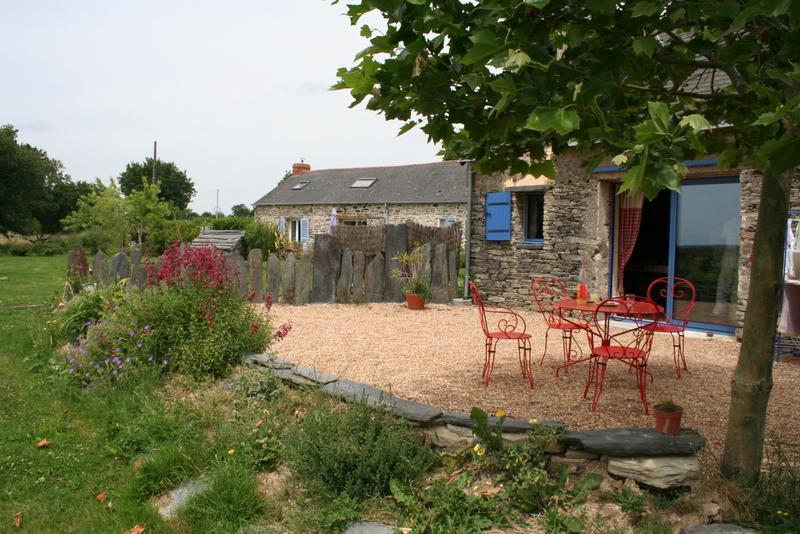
{"points": [[327, 259], [237, 270], [178, 497], [427, 257], [439, 290], [355, 391], [452, 272], [255, 273], [303, 280], [138, 272], [375, 279], [627, 442], [273, 275], [359, 263], [267, 360], [288, 280], [369, 527], [288, 375], [395, 242], [315, 376], [663, 472], [100, 270], [510, 425], [345, 277], [120, 266]]}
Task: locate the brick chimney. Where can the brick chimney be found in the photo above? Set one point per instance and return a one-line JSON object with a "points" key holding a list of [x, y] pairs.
{"points": [[300, 168]]}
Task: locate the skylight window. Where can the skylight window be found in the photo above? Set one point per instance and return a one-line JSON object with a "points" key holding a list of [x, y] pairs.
{"points": [[363, 183], [299, 185]]}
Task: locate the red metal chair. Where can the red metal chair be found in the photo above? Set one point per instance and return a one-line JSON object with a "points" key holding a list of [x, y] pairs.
{"points": [[510, 325], [546, 290], [684, 296], [630, 344]]}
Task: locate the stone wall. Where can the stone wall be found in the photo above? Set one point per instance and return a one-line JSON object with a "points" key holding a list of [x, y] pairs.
{"points": [[319, 216], [577, 214], [751, 190]]}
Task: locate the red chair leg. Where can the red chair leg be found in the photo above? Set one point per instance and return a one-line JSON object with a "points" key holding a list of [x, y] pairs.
{"points": [[524, 348], [566, 341], [598, 385], [641, 383], [681, 349], [544, 352], [488, 366], [591, 377]]}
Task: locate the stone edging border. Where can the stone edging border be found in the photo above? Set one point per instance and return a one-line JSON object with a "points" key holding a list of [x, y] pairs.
{"points": [[612, 442]]}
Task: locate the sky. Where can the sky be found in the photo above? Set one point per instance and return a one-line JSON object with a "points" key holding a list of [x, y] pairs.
{"points": [[234, 92]]}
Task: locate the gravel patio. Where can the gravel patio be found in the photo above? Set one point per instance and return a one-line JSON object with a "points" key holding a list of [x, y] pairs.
{"points": [[435, 356]]}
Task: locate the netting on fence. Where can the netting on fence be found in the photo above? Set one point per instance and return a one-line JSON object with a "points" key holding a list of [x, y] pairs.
{"points": [[450, 236], [366, 239]]}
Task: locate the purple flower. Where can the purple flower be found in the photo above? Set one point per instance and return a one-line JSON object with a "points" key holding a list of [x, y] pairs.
{"points": [[146, 328], [132, 333]]}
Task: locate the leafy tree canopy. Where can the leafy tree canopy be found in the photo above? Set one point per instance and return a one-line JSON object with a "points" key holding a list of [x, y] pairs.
{"points": [[642, 82], [35, 192], [241, 210], [176, 187], [499, 81]]}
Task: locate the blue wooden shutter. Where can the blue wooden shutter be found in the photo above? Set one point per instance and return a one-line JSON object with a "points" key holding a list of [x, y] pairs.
{"points": [[498, 216], [282, 225], [303, 229]]}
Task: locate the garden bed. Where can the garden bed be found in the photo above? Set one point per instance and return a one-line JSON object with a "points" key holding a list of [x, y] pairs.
{"points": [[435, 356]]}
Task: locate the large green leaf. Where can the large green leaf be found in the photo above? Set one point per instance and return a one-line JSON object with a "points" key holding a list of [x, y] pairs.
{"points": [[696, 122], [604, 7], [543, 168], [645, 46], [659, 112], [562, 120]]}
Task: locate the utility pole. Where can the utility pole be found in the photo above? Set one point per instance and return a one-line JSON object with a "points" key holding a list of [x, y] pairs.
{"points": [[155, 159], [216, 210]]}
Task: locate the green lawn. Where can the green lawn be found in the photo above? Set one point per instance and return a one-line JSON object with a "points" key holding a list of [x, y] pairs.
{"points": [[53, 487]]}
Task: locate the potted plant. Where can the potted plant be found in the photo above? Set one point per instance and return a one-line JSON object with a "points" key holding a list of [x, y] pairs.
{"points": [[668, 417], [415, 287]]}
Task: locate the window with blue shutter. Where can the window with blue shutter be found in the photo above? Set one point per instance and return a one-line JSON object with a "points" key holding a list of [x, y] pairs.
{"points": [[303, 229], [498, 216], [282, 225]]}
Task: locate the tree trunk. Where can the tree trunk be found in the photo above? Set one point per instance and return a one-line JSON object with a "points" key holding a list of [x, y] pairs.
{"points": [[752, 380]]}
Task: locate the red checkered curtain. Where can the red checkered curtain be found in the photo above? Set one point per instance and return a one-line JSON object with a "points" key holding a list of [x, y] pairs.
{"points": [[630, 218]]}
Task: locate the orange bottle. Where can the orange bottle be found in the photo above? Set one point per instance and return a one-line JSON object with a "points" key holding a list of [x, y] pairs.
{"points": [[582, 293]]}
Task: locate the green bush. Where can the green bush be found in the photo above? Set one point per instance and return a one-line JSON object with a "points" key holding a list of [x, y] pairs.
{"points": [[264, 236], [775, 500], [82, 311], [446, 507], [230, 223], [191, 319], [357, 451], [20, 249]]}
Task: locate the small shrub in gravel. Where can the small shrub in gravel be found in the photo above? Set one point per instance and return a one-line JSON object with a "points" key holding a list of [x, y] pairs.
{"points": [[356, 451]]}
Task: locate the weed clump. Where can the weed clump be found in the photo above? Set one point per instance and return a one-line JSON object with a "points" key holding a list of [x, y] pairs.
{"points": [[357, 451]]}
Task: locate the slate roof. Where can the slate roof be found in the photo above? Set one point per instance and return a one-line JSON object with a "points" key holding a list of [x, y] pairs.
{"points": [[226, 240], [426, 183]]}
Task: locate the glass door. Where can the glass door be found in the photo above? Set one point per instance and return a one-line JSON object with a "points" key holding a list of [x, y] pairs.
{"points": [[706, 217]]}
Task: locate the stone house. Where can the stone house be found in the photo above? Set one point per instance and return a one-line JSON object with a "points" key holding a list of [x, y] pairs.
{"points": [[524, 226], [431, 194]]}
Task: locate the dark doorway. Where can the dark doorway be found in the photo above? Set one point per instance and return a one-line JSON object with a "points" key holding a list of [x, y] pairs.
{"points": [[650, 257]]}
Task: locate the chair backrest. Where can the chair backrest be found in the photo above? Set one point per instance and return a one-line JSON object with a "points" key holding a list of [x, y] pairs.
{"points": [[683, 294], [641, 316], [546, 290], [478, 301]]}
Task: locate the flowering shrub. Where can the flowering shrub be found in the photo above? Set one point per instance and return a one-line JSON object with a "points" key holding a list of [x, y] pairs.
{"points": [[190, 319], [201, 268]]}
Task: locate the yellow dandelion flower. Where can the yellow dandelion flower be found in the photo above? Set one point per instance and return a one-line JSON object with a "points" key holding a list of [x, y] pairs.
{"points": [[479, 449], [501, 413], [231, 452]]}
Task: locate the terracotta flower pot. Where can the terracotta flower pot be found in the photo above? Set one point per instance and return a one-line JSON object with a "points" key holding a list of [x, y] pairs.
{"points": [[668, 422], [414, 301]]}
